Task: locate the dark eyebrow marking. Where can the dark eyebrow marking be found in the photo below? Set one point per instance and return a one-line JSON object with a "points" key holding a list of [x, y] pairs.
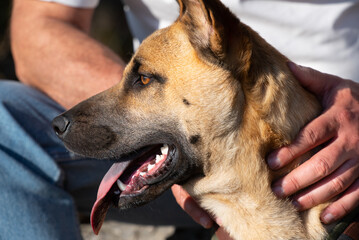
{"points": [[136, 72], [136, 65], [133, 74]]}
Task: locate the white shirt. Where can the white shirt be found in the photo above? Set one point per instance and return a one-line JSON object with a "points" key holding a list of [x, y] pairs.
{"points": [[322, 34]]}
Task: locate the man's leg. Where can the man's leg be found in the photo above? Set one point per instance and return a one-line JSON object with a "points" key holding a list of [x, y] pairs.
{"points": [[33, 204], [37, 174]]}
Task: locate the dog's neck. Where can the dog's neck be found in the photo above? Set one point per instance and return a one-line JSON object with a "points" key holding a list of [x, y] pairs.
{"points": [[245, 203]]}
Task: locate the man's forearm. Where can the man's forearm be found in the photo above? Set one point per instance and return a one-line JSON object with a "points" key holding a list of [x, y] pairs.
{"points": [[60, 59]]}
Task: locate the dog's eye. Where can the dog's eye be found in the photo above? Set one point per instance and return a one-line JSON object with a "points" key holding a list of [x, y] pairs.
{"points": [[145, 80]]}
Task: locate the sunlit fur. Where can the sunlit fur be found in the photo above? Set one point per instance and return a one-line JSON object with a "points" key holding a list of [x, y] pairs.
{"points": [[226, 98], [241, 115]]}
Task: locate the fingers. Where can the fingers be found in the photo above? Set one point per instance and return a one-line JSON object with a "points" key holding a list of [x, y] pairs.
{"points": [[333, 172], [222, 234], [318, 131], [344, 205], [190, 206], [315, 81], [330, 187], [319, 166]]}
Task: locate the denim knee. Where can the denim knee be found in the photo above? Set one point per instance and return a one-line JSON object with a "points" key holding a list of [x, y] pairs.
{"points": [[26, 134]]}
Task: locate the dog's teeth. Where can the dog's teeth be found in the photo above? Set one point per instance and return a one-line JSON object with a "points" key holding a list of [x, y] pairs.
{"points": [[150, 166], [142, 174], [159, 158], [164, 149], [121, 185]]}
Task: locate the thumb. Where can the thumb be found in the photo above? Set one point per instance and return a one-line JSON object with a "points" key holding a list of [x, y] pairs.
{"points": [[316, 82]]}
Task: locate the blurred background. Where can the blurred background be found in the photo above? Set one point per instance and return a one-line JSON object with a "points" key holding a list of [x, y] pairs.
{"points": [[108, 23], [6, 62]]}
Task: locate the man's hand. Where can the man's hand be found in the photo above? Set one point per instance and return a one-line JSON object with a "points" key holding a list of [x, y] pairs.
{"points": [[188, 204], [334, 170], [198, 214]]}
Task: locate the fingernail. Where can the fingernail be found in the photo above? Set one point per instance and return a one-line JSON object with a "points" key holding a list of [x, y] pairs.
{"points": [[296, 205], [278, 191], [328, 218], [273, 162], [292, 66], [219, 221], [205, 222]]}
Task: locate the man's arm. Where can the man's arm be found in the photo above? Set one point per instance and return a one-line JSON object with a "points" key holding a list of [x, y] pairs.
{"points": [[54, 53]]}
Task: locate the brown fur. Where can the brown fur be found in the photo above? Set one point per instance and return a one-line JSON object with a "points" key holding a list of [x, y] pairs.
{"points": [[230, 99]]}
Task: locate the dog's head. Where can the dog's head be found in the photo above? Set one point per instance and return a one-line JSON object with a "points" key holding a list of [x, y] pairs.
{"points": [[182, 100]]}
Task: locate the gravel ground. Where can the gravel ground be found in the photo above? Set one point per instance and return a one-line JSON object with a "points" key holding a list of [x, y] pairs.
{"points": [[112, 230]]}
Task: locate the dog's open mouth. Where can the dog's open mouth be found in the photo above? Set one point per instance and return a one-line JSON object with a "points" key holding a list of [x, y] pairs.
{"points": [[131, 178]]}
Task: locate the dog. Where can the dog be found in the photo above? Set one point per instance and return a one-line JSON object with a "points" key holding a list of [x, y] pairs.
{"points": [[201, 104]]}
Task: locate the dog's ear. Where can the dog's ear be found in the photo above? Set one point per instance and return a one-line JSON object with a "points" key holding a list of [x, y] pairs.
{"points": [[202, 20], [212, 28]]}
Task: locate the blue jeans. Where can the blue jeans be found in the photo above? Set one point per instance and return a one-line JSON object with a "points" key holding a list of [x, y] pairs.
{"points": [[43, 186]]}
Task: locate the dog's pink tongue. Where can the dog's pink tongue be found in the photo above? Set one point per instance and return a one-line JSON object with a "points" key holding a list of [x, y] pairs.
{"points": [[102, 204]]}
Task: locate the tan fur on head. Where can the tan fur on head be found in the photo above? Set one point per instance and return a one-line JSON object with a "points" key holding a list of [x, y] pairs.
{"points": [[252, 105]]}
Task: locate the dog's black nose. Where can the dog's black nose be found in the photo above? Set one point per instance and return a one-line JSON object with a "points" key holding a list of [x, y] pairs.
{"points": [[60, 125]]}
